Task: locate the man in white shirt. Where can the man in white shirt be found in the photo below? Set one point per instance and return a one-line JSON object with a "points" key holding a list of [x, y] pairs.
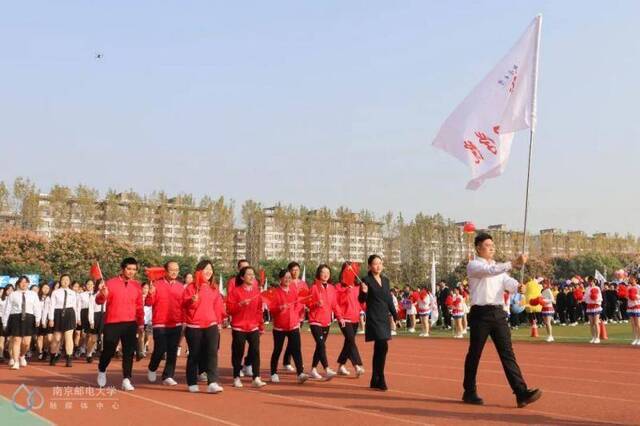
{"points": [[488, 281]]}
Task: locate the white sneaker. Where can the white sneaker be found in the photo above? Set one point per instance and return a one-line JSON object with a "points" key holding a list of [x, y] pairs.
{"points": [[302, 377], [275, 378], [359, 370], [289, 368], [23, 361], [360, 332], [214, 388], [127, 386], [315, 375], [202, 377], [179, 351], [412, 330], [248, 370], [152, 376], [237, 383], [394, 333], [596, 340], [422, 335], [550, 339], [169, 382], [15, 366], [330, 374], [102, 379], [242, 372], [458, 336], [258, 383], [592, 340], [194, 388], [11, 362], [343, 371]]}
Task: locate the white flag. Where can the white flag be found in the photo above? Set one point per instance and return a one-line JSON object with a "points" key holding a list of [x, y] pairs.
{"points": [[433, 274], [480, 130], [599, 277], [304, 273]]}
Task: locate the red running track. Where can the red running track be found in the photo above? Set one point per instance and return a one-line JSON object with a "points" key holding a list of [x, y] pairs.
{"points": [[582, 385]]}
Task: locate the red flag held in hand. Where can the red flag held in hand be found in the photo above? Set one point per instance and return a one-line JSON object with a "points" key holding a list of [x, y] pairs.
{"points": [[154, 273], [262, 277], [95, 273]]}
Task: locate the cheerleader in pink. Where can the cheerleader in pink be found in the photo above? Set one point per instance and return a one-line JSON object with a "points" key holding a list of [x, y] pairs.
{"points": [[547, 308], [424, 311], [593, 299], [457, 312], [633, 308]]}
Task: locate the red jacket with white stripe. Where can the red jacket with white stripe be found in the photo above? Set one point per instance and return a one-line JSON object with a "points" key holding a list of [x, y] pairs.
{"points": [[166, 302], [245, 317], [324, 301], [286, 309], [348, 302], [205, 312], [124, 301]]}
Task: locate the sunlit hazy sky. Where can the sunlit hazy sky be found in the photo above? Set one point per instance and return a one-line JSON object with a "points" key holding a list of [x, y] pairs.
{"points": [[321, 103]]}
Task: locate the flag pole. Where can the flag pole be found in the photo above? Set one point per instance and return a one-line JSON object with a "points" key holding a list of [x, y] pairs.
{"points": [[532, 132]]}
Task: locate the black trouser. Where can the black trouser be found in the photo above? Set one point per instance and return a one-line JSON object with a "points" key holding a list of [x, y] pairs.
{"points": [[320, 335], [562, 314], [491, 321], [446, 316], [125, 333], [293, 345], [165, 341], [623, 309], [203, 345], [611, 311], [286, 360], [349, 348], [380, 349], [237, 350]]}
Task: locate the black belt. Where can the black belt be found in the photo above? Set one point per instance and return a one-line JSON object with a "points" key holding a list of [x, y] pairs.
{"points": [[487, 307]]}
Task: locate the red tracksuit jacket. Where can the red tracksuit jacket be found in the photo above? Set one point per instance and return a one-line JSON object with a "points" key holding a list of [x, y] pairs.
{"points": [[285, 309], [124, 301], [323, 302], [207, 311], [348, 302], [245, 318], [166, 303]]}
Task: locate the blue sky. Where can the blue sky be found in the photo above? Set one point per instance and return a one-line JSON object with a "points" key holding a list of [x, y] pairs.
{"points": [[321, 103]]}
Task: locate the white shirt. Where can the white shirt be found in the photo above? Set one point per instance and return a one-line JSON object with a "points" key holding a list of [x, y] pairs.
{"points": [[84, 299], [94, 307], [14, 305], [488, 281], [46, 303], [57, 301]]}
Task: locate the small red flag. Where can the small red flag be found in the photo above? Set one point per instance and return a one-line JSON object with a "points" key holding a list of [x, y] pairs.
{"points": [[95, 273], [262, 277], [154, 273]]}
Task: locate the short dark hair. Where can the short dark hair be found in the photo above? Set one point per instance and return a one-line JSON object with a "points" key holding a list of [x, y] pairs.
{"points": [[241, 261], [292, 265], [169, 262], [128, 261], [283, 272], [241, 273], [481, 238], [372, 258]]}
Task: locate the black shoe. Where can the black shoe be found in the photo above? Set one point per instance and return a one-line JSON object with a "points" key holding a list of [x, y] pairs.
{"points": [[54, 359], [89, 359], [68, 363], [472, 398], [139, 356], [530, 396]]}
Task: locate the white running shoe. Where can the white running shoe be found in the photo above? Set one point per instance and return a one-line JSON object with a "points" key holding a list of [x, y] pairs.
{"points": [[102, 379], [15, 366], [422, 335], [127, 386], [248, 370], [315, 375], [214, 388], [302, 377], [343, 371], [237, 383], [359, 370], [458, 336], [289, 368], [152, 376], [11, 362], [596, 340], [592, 340], [550, 339], [169, 382], [23, 361], [360, 332], [275, 378], [258, 383], [242, 372], [179, 351], [330, 374], [412, 330], [394, 333], [202, 377], [194, 388]]}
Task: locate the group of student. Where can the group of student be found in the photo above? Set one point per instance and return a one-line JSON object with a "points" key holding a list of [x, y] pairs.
{"points": [[119, 314]]}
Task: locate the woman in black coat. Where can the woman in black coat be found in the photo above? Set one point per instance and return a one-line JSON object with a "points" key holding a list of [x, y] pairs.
{"points": [[375, 291]]}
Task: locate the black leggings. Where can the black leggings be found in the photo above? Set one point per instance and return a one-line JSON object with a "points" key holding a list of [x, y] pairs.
{"points": [[320, 335], [349, 348], [237, 350], [124, 332], [203, 349], [380, 349], [293, 345]]}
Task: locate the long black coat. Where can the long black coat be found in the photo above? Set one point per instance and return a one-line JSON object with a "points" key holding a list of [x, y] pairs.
{"points": [[379, 307]]}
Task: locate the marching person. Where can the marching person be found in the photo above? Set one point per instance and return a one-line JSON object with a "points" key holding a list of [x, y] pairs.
{"points": [[323, 303], [375, 292], [298, 284], [63, 318], [165, 299], [203, 316], [547, 308], [593, 300], [124, 316], [86, 313], [5, 341], [285, 310], [488, 281], [147, 330], [457, 312], [97, 324], [425, 304], [247, 368], [45, 333], [244, 304], [21, 314], [347, 293]]}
